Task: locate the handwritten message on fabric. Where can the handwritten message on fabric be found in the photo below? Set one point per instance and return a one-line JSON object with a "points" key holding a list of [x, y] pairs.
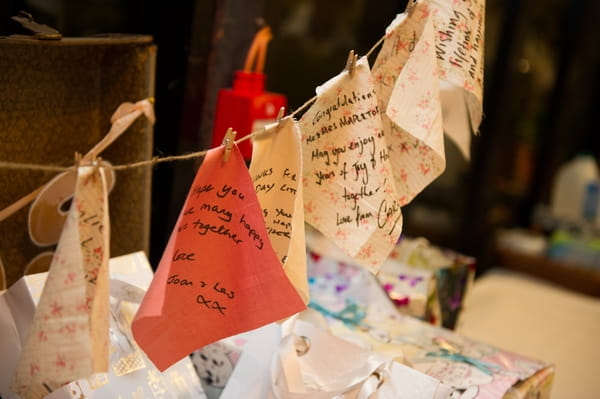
{"points": [[68, 339], [276, 171], [406, 83], [219, 275], [459, 36], [349, 191]]}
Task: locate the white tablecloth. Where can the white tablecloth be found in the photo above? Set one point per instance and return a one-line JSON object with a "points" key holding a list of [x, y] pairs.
{"points": [[538, 319]]}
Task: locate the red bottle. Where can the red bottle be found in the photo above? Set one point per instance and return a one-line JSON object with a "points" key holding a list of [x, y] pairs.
{"points": [[247, 106]]}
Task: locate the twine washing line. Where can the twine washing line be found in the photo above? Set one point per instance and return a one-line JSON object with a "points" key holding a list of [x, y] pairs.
{"points": [[156, 160]]}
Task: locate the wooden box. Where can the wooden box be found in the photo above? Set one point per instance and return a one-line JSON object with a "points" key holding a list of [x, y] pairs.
{"points": [[56, 98]]}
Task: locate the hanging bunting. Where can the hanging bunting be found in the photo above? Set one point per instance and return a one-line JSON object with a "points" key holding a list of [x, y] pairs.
{"points": [[219, 275], [68, 339], [276, 171], [349, 192], [459, 37], [406, 83]]}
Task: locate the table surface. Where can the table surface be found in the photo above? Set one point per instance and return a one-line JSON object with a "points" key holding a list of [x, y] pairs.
{"points": [[579, 278], [541, 320]]}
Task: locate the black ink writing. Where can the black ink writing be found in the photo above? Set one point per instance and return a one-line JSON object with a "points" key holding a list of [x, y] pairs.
{"points": [[174, 279], [343, 171], [222, 290], [341, 101], [385, 214], [361, 216], [222, 213], [318, 154], [252, 233], [339, 220], [279, 233], [358, 117], [264, 187], [287, 189], [287, 173], [205, 188], [355, 158], [336, 151], [210, 304], [204, 228], [228, 190], [324, 176], [384, 154], [183, 256], [360, 168], [92, 220], [282, 223], [459, 40], [354, 197], [281, 212], [359, 144], [264, 173]]}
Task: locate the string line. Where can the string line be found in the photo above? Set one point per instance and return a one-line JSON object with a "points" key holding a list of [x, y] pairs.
{"points": [[171, 158], [32, 166]]}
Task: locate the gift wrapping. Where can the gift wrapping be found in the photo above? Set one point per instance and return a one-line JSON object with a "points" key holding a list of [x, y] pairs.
{"points": [[426, 281], [411, 289], [215, 363], [358, 309], [293, 360], [131, 374], [17, 306], [422, 280]]}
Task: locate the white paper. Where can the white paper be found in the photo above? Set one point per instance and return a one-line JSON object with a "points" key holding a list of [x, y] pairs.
{"points": [[349, 194], [460, 30], [251, 378], [276, 171], [407, 84], [68, 339]]}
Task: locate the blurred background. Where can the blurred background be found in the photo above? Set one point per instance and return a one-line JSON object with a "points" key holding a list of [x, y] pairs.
{"points": [[541, 87]]}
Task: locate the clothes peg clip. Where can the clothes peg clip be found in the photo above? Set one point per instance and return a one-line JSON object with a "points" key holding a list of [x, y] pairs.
{"points": [[228, 143], [96, 163], [410, 5], [379, 374], [351, 62], [280, 116], [77, 160], [302, 345]]}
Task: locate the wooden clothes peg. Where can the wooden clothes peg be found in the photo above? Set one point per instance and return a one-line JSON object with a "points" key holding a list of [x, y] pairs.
{"points": [[228, 141], [280, 116], [351, 62], [96, 162], [77, 160]]}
